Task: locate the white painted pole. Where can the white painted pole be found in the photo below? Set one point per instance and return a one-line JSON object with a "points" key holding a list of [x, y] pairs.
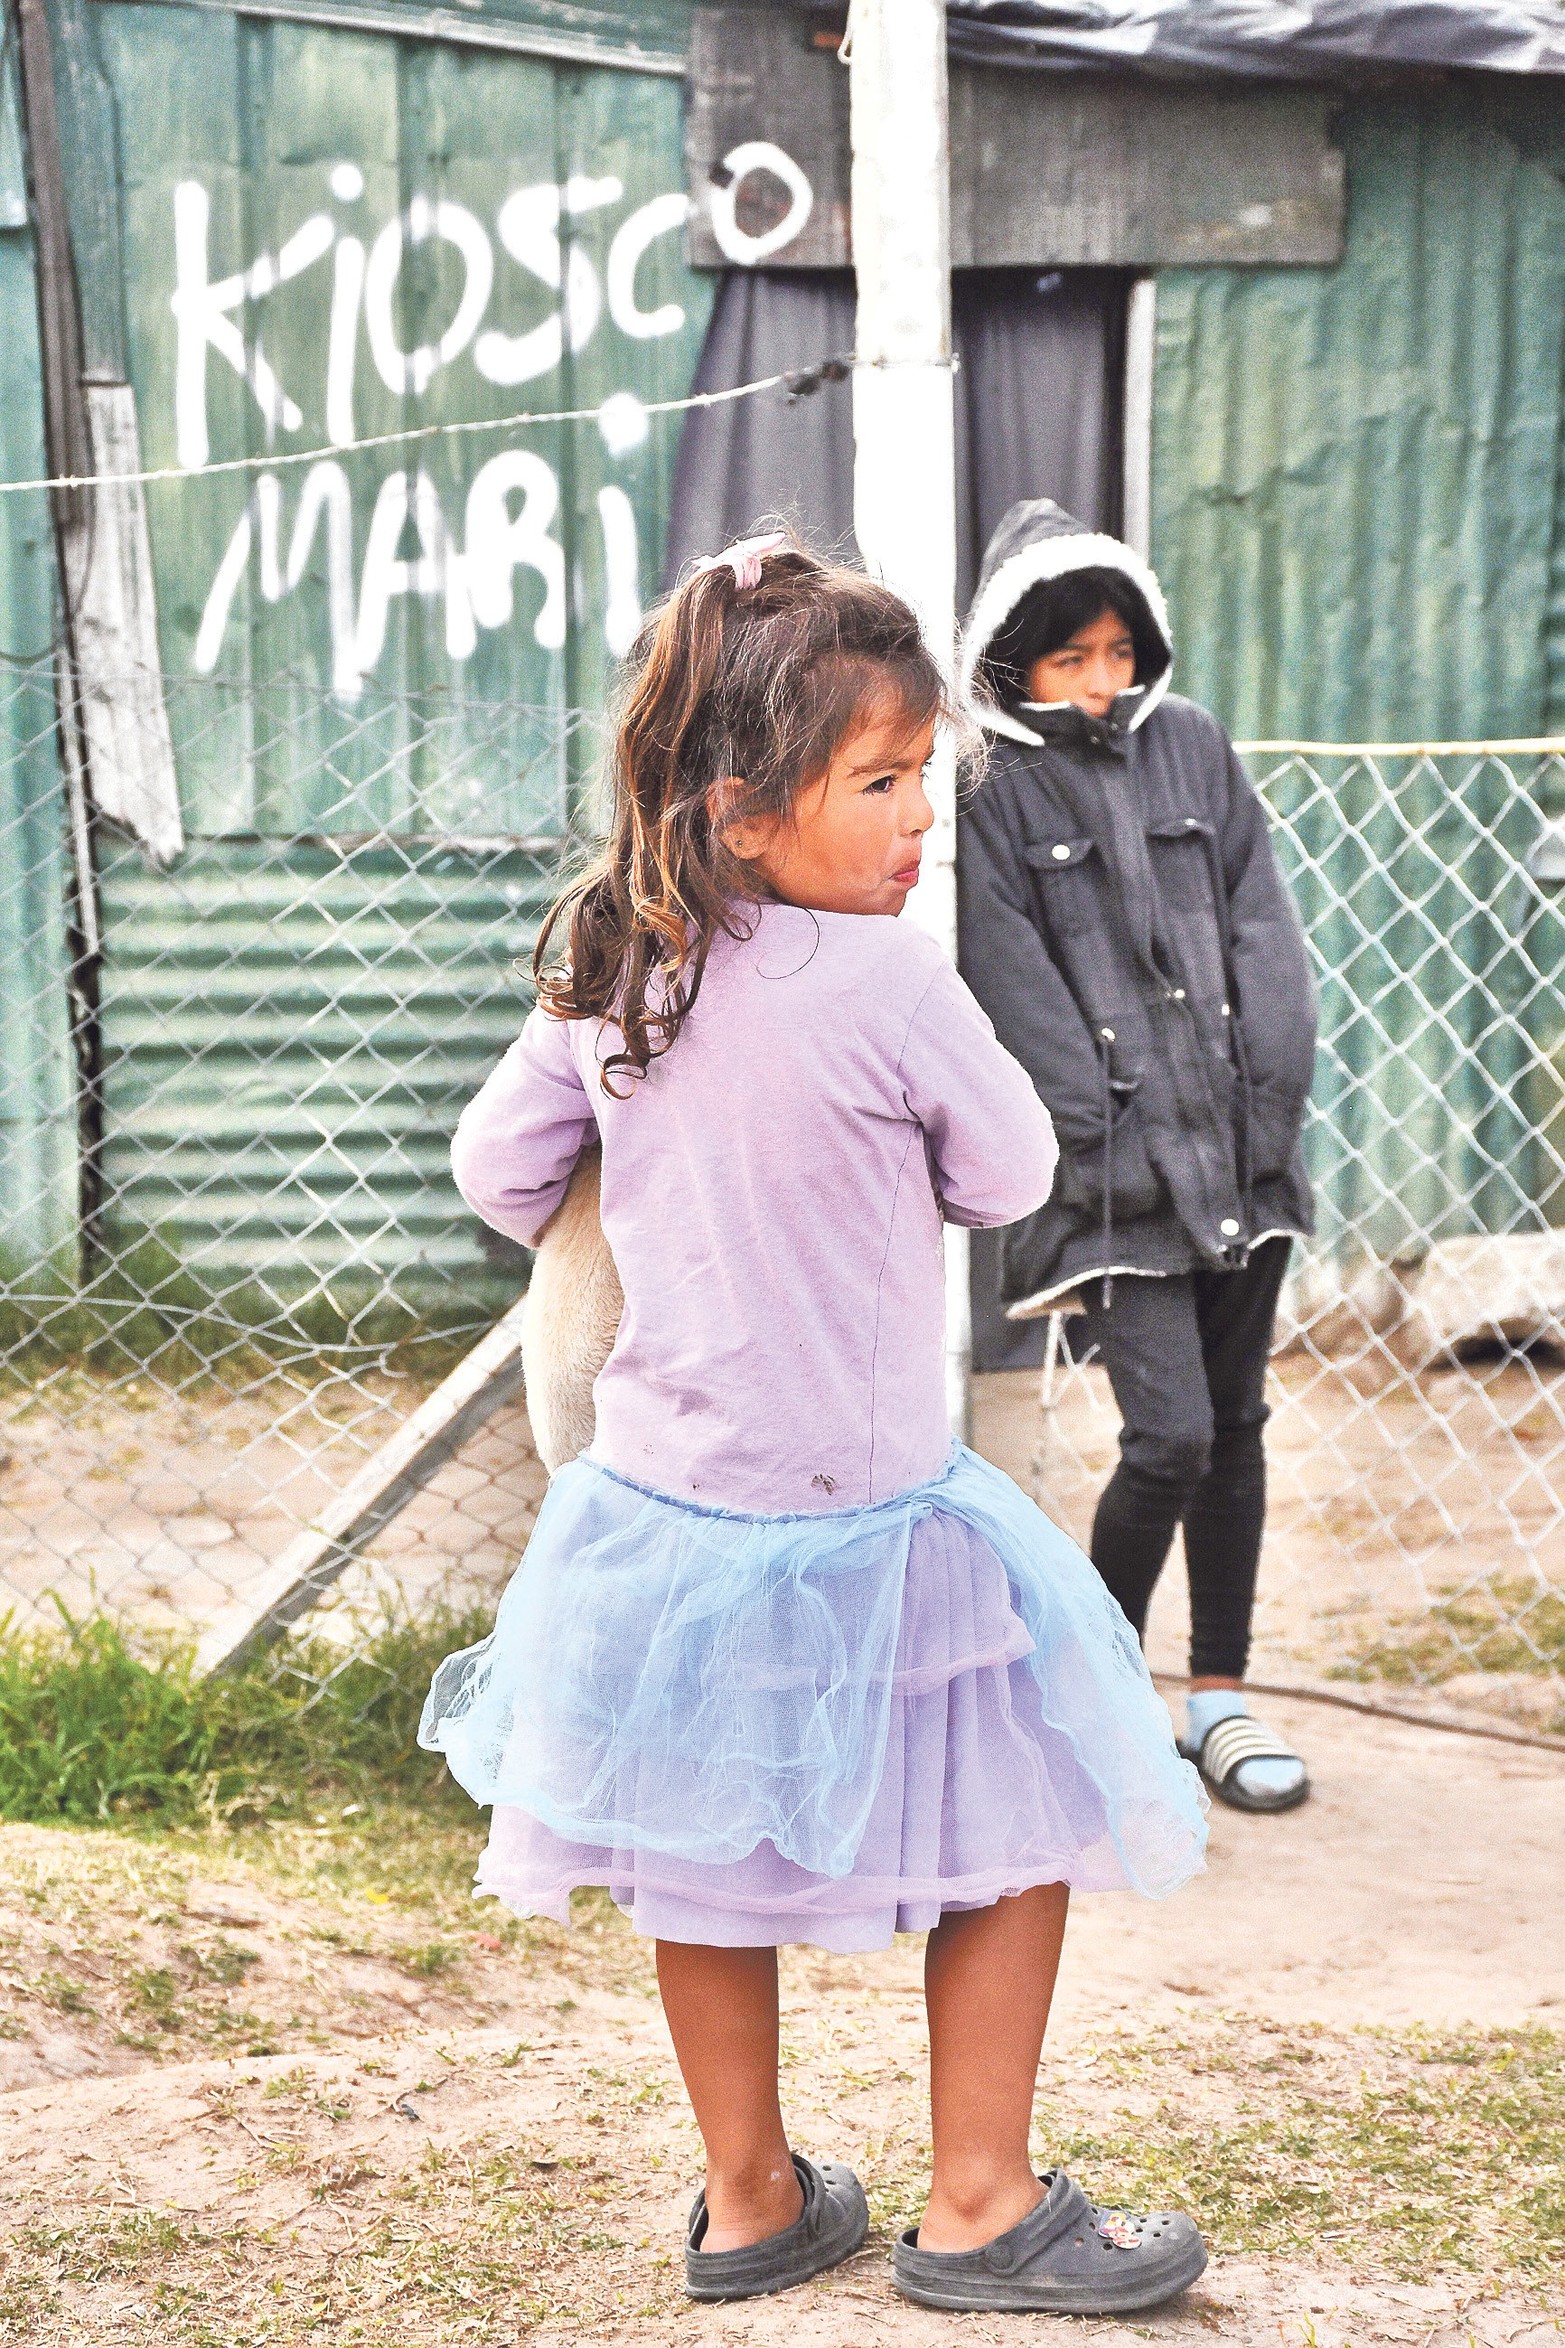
{"points": [[904, 469], [1140, 369]]}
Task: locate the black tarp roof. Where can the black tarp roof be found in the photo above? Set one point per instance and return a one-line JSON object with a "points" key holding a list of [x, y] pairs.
{"points": [[1310, 40]]}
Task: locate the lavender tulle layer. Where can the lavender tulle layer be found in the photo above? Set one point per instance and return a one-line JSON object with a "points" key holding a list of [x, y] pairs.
{"points": [[826, 1728]]}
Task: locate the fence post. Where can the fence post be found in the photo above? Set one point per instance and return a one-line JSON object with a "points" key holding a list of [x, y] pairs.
{"points": [[904, 462]]}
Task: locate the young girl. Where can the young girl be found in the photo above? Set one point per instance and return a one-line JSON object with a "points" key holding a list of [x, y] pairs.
{"points": [[781, 1663]]}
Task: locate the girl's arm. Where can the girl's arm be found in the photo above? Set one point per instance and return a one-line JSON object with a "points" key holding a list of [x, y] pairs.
{"points": [[991, 1140], [517, 1142]]}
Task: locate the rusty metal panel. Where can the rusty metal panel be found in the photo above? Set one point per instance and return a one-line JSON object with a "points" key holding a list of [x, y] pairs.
{"points": [[759, 83], [1047, 171], [1354, 469]]}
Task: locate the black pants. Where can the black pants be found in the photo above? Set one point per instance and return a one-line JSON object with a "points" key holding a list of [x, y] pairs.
{"points": [[1186, 1358]]}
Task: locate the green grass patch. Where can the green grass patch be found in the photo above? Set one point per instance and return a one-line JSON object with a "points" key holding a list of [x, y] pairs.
{"points": [[1503, 1624], [96, 1730], [1446, 2153]]}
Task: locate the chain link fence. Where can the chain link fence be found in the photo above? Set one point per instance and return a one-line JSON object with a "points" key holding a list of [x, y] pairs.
{"points": [[235, 1279], [233, 1265]]}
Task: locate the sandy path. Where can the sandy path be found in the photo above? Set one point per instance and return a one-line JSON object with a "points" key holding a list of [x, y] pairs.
{"points": [[1422, 1884], [313, 2151], [1425, 1882]]}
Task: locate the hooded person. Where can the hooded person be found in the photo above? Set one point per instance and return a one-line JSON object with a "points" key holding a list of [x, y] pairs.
{"points": [[1124, 924]]}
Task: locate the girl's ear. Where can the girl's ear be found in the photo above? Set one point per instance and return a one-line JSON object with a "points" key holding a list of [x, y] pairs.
{"points": [[746, 839]]}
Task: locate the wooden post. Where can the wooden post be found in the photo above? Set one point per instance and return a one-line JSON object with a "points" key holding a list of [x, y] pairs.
{"points": [[904, 470]]}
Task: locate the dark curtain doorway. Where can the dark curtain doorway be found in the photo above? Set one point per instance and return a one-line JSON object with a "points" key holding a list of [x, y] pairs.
{"points": [[1039, 404]]}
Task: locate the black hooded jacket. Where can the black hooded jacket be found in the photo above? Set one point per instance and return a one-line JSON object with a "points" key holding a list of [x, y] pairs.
{"points": [[1124, 924]]}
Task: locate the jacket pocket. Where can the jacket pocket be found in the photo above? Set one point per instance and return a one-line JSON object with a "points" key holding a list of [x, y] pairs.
{"points": [[1181, 851], [1064, 883], [1136, 1187]]}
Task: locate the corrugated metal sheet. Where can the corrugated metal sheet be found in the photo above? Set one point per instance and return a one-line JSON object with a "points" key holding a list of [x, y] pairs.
{"points": [[294, 1030], [1354, 513], [38, 1183], [294, 1014], [395, 210], [1354, 468], [1554, 617]]}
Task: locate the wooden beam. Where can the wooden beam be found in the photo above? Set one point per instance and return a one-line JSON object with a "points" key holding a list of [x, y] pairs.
{"points": [[1048, 170], [461, 1404]]}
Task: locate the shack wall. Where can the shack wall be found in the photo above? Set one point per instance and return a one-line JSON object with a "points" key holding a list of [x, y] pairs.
{"points": [[374, 661], [1354, 468]]}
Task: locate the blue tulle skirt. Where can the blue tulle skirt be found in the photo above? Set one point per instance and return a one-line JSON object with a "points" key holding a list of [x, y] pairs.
{"points": [[756, 1729]]}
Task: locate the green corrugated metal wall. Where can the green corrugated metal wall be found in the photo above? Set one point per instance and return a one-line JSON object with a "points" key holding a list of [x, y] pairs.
{"points": [[260, 127], [656, 31], [1429, 941], [1359, 485], [296, 1031], [342, 1038], [1354, 468], [38, 1193]]}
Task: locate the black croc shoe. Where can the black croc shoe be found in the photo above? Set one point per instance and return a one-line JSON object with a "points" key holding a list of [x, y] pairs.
{"points": [[831, 2226], [1067, 2257]]}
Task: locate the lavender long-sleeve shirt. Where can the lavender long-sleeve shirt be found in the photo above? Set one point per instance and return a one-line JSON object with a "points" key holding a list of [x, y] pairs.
{"points": [[772, 1193]]}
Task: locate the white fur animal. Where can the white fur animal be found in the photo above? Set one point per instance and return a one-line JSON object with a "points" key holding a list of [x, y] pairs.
{"points": [[574, 1303]]}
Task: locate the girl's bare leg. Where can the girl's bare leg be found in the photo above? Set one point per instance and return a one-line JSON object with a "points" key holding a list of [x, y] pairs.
{"points": [[988, 1980], [722, 2015]]}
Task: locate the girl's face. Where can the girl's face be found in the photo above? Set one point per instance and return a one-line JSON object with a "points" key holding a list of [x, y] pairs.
{"points": [[1098, 662], [852, 841]]}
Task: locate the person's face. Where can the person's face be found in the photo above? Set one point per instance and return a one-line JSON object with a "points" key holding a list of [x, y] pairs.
{"points": [[1098, 662], [852, 841]]}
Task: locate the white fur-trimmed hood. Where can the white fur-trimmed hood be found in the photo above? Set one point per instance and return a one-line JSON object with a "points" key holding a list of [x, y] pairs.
{"points": [[1039, 540]]}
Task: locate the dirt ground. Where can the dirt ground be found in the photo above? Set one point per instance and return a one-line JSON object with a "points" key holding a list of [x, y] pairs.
{"points": [[270, 2099], [300, 2088], [165, 1510]]}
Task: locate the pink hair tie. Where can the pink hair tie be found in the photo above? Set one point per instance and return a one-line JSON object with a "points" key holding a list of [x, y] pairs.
{"points": [[743, 558]]}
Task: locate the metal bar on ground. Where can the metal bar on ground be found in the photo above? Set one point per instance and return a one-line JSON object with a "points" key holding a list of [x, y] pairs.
{"points": [[460, 1406], [904, 442]]}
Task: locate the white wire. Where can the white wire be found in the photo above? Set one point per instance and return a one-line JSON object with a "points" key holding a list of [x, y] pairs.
{"points": [[792, 376]]}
